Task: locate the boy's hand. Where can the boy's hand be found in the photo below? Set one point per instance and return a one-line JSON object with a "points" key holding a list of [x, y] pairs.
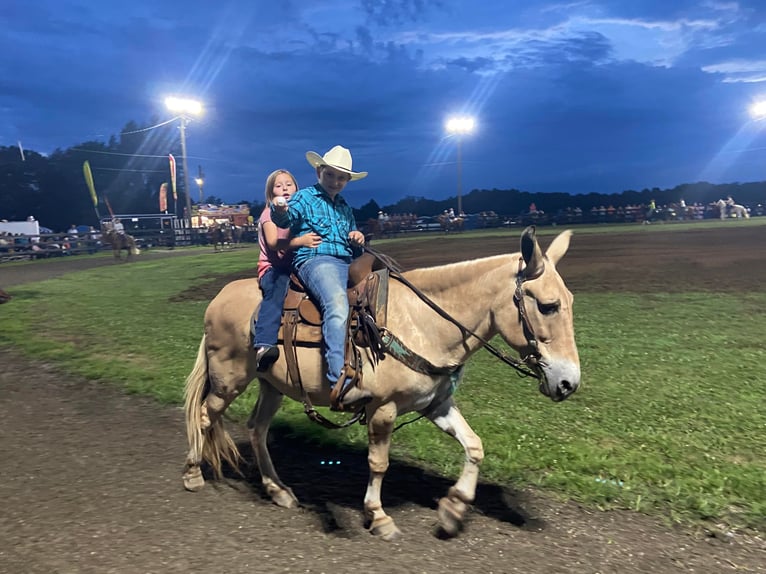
{"points": [[356, 237]]}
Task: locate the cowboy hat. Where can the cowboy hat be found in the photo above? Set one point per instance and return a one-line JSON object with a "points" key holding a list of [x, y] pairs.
{"points": [[337, 158]]}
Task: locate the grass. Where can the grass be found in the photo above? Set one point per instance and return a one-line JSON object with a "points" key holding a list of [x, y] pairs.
{"points": [[669, 421]]}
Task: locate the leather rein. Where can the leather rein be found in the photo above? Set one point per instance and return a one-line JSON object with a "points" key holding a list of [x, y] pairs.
{"points": [[521, 366]]}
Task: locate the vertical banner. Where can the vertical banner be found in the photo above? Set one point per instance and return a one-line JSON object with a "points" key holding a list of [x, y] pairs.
{"points": [[109, 206], [173, 175], [164, 198], [91, 186], [173, 183]]}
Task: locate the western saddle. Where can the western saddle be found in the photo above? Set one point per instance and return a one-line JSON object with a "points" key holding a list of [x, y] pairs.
{"points": [[368, 300]]}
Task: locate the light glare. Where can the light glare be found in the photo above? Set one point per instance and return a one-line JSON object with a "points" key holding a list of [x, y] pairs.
{"points": [[758, 110], [183, 105], [460, 125]]}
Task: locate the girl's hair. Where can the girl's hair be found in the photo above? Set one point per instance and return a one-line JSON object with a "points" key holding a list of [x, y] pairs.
{"points": [[270, 183]]}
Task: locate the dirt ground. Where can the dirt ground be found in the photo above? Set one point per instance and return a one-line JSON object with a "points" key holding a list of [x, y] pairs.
{"points": [[91, 476]]}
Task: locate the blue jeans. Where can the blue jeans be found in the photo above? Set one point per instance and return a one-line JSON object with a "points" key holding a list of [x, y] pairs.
{"points": [[274, 287], [326, 278]]}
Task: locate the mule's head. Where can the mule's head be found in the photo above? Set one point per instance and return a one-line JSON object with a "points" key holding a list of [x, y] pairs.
{"points": [[539, 321]]}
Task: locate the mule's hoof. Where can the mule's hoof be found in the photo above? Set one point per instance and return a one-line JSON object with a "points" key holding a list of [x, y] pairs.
{"points": [[193, 480], [284, 499], [451, 513], [386, 529]]}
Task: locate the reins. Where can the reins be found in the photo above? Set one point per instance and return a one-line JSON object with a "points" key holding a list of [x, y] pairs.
{"points": [[519, 365]]}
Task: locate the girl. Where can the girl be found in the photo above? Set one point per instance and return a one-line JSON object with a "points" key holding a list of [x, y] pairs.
{"points": [[274, 267]]}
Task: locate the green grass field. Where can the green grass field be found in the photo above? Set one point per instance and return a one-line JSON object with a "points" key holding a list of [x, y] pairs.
{"points": [[663, 424]]}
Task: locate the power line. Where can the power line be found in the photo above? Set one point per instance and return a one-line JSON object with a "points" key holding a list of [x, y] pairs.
{"points": [[151, 127], [115, 153]]}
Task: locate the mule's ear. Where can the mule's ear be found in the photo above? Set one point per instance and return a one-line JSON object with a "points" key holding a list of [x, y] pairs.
{"points": [[559, 246], [530, 251]]}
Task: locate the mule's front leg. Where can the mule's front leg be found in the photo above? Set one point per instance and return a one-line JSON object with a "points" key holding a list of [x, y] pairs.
{"points": [[452, 508], [379, 431]]}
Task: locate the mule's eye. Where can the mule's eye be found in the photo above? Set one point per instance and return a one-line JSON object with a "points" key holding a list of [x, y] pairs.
{"points": [[548, 308]]}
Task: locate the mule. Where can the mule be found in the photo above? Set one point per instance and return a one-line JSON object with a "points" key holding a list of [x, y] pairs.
{"points": [[454, 311]]}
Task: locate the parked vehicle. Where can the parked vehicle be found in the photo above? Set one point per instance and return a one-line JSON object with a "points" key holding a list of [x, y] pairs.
{"points": [[427, 224]]}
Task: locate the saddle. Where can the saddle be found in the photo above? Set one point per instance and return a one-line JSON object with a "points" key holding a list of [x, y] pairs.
{"points": [[301, 326]]}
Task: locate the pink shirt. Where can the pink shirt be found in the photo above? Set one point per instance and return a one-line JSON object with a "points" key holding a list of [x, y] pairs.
{"points": [[278, 259]]}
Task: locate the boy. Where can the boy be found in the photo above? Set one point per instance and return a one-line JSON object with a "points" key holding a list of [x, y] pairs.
{"points": [[324, 269]]}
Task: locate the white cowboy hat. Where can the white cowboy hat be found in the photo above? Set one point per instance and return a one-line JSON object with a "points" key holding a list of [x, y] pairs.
{"points": [[338, 158]]}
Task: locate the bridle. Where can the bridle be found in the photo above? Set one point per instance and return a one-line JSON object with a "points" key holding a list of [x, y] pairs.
{"points": [[527, 366]]}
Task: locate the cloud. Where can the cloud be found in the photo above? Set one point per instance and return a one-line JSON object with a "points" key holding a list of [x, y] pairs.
{"points": [[748, 71], [579, 96]]}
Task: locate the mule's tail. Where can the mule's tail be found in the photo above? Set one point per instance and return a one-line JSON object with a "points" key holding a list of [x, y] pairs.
{"points": [[208, 440]]}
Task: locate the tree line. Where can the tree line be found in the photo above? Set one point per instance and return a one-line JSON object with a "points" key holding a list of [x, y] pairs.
{"points": [[513, 202], [129, 169]]}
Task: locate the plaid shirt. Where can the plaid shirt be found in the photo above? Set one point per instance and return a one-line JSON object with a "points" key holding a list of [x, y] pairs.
{"points": [[311, 209]]}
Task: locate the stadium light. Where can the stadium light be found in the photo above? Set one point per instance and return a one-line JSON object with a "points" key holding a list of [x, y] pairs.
{"points": [[185, 108], [460, 126]]}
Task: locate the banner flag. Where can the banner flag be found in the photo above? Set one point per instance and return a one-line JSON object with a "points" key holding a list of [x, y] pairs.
{"points": [[109, 206], [164, 197], [173, 175], [21, 151], [89, 180]]}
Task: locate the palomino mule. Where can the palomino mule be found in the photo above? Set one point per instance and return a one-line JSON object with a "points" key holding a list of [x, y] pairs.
{"points": [[519, 296]]}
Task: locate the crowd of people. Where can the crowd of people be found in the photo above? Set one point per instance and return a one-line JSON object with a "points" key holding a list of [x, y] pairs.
{"points": [[70, 242]]}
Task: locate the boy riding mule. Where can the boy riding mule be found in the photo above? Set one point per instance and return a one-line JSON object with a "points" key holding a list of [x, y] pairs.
{"points": [[436, 319]]}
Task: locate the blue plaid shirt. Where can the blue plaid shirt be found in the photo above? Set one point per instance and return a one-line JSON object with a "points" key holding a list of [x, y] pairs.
{"points": [[311, 209]]}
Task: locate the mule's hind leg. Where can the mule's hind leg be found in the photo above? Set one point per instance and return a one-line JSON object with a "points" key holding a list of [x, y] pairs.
{"points": [[379, 431], [210, 389], [264, 410], [452, 508]]}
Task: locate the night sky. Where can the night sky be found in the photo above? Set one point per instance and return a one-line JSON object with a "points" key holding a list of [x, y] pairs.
{"points": [[573, 97]]}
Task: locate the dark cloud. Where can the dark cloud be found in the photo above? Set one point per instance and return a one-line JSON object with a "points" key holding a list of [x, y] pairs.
{"points": [[561, 105], [396, 12]]}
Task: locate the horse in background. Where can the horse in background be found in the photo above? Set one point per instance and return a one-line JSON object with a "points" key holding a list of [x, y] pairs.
{"points": [[451, 224], [220, 234], [119, 241], [735, 210]]}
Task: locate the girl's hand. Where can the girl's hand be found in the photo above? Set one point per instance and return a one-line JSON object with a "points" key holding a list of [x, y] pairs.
{"points": [[280, 204], [311, 239]]}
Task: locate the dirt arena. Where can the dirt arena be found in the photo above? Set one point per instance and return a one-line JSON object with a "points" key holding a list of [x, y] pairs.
{"points": [[91, 476]]}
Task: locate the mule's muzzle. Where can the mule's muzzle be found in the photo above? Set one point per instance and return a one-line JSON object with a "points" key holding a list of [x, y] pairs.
{"points": [[560, 381]]}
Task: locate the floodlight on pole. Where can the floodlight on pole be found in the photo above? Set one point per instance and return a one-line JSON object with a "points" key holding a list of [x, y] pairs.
{"points": [[460, 126], [758, 110], [185, 108]]}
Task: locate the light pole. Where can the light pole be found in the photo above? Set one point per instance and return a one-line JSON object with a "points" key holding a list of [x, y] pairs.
{"points": [[460, 126], [185, 108]]}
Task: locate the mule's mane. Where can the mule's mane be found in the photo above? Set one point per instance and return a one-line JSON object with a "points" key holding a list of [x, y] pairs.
{"points": [[442, 277]]}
